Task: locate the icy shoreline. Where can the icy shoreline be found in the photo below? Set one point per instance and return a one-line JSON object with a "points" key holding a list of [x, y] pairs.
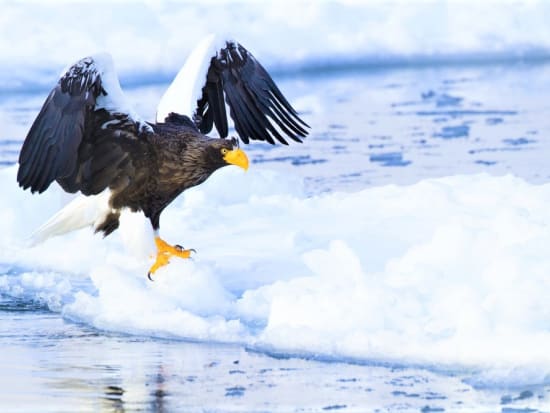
{"points": [[449, 271]]}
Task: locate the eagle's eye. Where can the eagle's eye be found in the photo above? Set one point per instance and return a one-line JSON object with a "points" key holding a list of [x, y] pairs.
{"points": [[224, 151]]}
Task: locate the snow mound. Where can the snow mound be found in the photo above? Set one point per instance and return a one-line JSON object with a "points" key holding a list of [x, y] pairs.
{"points": [[452, 272]]}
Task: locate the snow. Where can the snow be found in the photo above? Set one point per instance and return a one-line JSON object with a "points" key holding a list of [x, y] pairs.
{"points": [[150, 40], [446, 273]]}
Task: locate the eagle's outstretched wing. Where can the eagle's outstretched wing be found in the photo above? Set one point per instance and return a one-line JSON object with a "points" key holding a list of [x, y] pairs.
{"points": [[232, 75], [85, 132]]}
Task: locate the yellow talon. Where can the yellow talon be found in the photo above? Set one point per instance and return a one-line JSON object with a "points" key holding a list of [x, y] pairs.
{"points": [[165, 251]]}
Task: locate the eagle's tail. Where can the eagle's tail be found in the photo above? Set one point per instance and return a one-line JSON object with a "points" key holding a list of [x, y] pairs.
{"points": [[81, 212]]}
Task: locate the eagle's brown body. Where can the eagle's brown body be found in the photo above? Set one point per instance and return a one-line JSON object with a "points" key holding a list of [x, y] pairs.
{"points": [[173, 158]]}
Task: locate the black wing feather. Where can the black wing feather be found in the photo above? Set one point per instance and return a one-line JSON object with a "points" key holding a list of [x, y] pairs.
{"points": [[58, 125], [180, 120], [258, 108], [247, 122], [83, 147], [217, 104]]}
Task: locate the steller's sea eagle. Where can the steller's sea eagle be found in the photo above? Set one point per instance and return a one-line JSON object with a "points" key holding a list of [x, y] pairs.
{"points": [[88, 138]]}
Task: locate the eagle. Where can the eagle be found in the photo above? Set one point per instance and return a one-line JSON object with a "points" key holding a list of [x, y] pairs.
{"points": [[88, 138]]}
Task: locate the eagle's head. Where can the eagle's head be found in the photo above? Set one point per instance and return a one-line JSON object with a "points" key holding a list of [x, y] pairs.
{"points": [[223, 152]]}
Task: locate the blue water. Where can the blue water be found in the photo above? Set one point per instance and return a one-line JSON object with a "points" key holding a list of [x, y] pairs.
{"points": [[369, 128]]}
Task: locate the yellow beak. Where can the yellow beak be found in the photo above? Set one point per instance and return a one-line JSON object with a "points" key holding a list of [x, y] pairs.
{"points": [[237, 157]]}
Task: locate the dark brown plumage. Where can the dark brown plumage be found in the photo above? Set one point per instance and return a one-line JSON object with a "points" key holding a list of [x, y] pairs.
{"points": [[88, 139]]}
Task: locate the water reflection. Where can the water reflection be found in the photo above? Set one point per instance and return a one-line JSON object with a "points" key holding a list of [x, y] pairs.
{"points": [[112, 401], [158, 391], [54, 366]]}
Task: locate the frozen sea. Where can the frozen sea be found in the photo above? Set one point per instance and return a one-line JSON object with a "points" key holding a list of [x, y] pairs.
{"points": [[397, 260]]}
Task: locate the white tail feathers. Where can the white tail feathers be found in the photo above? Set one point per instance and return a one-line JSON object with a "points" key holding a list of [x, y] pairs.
{"points": [[81, 212]]}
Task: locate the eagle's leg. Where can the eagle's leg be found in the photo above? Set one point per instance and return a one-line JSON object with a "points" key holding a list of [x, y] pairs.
{"points": [[166, 251]]}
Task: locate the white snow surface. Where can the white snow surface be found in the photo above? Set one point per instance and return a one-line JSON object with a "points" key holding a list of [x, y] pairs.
{"points": [[452, 273], [152, 38]]}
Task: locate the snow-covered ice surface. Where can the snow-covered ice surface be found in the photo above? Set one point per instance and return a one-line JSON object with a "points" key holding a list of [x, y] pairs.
{"points": [[447, 277], [397, 260]]}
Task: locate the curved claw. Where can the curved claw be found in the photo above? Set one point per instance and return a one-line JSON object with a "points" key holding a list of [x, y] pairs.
{"points": [[190, 250], [164, 252]]}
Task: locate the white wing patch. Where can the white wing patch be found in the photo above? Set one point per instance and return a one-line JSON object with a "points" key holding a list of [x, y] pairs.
{"points": [[186, 88], [115, 101]]}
